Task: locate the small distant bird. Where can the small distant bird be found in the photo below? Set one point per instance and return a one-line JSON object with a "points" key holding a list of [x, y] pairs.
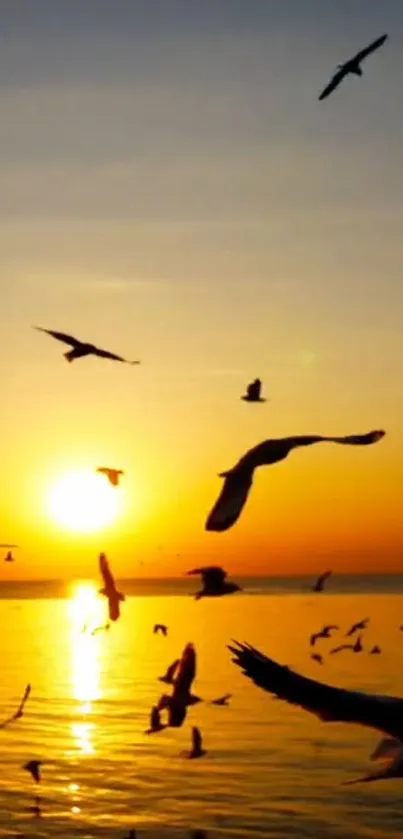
{"points": [[181, 698], [110, 591], [169, 675], [34, 768], [330, 704], [239, 479], [317, 657], [20, 710], [357, 626], [320, 582], [81, 349], [222, 700], [253, 392], [214, 584], [197, 745], [356, 647], [111, 474], [375, 650], [324, 633], [8, 557], [155, 721], [103, 628], [160, 627], [352, 66]]}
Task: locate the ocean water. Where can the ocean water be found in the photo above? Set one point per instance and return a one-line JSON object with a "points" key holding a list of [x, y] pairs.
{"points": [[272, 770]]}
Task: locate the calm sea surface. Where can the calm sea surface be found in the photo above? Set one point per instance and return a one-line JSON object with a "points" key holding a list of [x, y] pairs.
{"points": [[271, 770]]}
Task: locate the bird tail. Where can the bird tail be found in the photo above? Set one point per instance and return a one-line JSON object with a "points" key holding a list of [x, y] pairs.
{"points": [[69, 356]]}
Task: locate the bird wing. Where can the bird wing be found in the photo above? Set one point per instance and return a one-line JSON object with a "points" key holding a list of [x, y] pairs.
{"points": [[231, 501], [18, 713], [210, 573], [172, 669], [196, 739], [341, 647], [386, 747], [186, 672], [334, 82], [61, 336], [374, 45], [358, 439], [330, 704], [106, 573], [113, 356]]}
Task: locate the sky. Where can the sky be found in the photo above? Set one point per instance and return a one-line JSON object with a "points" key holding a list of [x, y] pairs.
{"points": [[173, 190]]}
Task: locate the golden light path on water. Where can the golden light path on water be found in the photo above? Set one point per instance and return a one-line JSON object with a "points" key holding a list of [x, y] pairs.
{"points": [[86, 611]]}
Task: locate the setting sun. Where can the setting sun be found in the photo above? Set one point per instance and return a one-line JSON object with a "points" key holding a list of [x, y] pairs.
{"points": [[83, 502]]}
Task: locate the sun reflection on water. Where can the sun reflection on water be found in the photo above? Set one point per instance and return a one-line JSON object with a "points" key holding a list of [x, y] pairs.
{"points": [[86, 611]]}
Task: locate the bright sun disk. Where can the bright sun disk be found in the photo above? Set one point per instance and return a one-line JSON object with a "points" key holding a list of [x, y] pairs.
{"points": [[84, 502]]}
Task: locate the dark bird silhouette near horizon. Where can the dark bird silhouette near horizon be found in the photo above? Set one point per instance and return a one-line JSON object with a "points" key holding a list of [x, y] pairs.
{"points": [[113, 475], [181, 698], [355, 648], [325, 632], [239, 479], [357, 626], [222, 700], [330, 704], [351, 67], [317, 657], [197, 745], [320, 582], [253, 392], [20, 710], [9, 557], [81, 348], [214, 582], [375, 650], [168, 678], [155, 721], [34, 769], [161, 629], [109, 590]]}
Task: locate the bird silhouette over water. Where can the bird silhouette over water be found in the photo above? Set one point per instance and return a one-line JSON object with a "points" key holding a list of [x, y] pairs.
{"points": [[168, 678], [238, 480], [323, 633], [155, 721], [181, 698], [160, 628], [375, 650], [113, 475], [9, 557], [317, 657], [355, 648], [214, 584], [81, 349], [320, 582], [34, 769], [20, 710], [351, 67], [357, 626], [253, 392], [197, 745], [110, 591], [222, 700], [330, 704]]}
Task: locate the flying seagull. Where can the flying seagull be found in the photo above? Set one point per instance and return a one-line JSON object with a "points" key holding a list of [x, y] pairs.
{"points": [[160, 627], [155, 721], [182, 697], [253, 392], [168, 678], [9, 557], [111, 474], [81, 349], [352, 66], [375, 650], [197, 745], [317, 657], [20, 710], [330, 704], [239, 479], [357, 626], [110, 591], [214, 584], [356, 647], [320, 582], [222, 700], [34, 768], [324, 633]]}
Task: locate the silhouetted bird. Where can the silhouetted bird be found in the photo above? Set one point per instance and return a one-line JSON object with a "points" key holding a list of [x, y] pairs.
{"points": [[34, 768], [214, 584], [352, 66], [375, 650], [182, 697], [155, 721], [160, 627], [320, 582], [111, 474], [8, 557], [110, 591], [383, 713], [238, 480], [197, 745], [253, 392], [169, 675], [222, 700], [324, 633], [357, 626], [20, 710], [81, 349], [355, 648], [103, 628], [317, 657]]}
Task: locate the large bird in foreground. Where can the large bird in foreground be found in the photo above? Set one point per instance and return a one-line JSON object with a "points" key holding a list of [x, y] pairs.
{"points": [[181, 698], [110, 591], [81, 348], [214, 584], [239, 479], [330, 704], [352, 66]]}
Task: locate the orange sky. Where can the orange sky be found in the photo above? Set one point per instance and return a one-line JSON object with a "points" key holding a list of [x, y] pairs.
{"points": [[173, 191]]}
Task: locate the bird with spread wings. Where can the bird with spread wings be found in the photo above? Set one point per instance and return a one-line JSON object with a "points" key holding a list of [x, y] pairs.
{"points": [[81, 348], [352, 66], [109, 590]]}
